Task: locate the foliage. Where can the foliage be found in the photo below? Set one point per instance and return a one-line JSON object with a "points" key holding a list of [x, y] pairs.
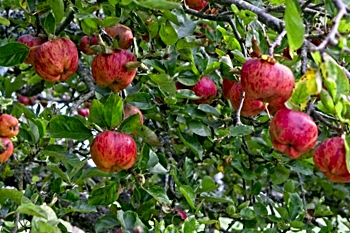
{"points": [[197, 169]]}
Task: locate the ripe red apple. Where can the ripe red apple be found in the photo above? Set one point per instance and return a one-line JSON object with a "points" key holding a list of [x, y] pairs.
{"points": [[275, 105], [6, 149], [250, 106], [119, 231], [196, 4], [123, 33], [84, 112], [109, 70], [267, 81], [56, 60], [226, 87], [85, 44], [25, 100], [205, 88], [33, 42], [330, 158], [292, 132], [130, 110], [113, 151], [8, 126]]}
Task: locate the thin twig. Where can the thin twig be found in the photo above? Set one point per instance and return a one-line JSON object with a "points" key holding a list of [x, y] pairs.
{"points": [[277, 42]]}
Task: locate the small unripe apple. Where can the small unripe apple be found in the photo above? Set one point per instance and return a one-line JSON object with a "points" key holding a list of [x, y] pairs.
{"points": [[250, 106], [113, 151], [330, 158], [292, 132], [56, 60], [84, 112], [123, 34], [6, 149], [130, 110], [205, 88], [33, 42], [226, 87], [85, 44], [196, 4], [267, 81], [9, 126], [109, 70]]}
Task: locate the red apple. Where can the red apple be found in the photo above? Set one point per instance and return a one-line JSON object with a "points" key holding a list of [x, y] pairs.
{"points": [[226, 87], [109, 70], [84, 112], [330, 158], [119, 231], [196, 4], [6, 149], [113, 151], [123, 33], [292, 132], [56, 60], [250, 106], [8, 126], [267, 81], [130, 110], [205, 88], [25, 100], [85, 44], [275, 105], [33, 42]]}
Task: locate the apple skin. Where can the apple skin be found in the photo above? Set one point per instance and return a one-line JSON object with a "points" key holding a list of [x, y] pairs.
{"points": [[6, 149], [266, 81], [33, 42], [130, 110], [329, 157], [276, 105], [84, 112], [85, 44], [196, 4], [113, 151], [250, 106], [124, 34], [292, 132], [8, 126], [108, 70], [226, 87], [56, 60], [25, 100], [205, 88]]}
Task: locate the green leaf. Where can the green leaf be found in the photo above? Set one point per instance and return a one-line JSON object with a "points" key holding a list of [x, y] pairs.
{"points": [[280, 175], [11, 194], [164, 82], [327, 101], [130, 124], [57, 7], [129, 220], [4, 21], [189, 195], [13, 53], [148, 135], [295, 205], [168, 34], [50, 24], [192, 143], [347, 151], [294, 25], [207, 185], [106, 222], [189, 225], [199, 128], [158, 4], [31, 209], [104, 196], [209, 109], [68, 127], [142, 100], [113, 110], [241, 130], [158, 193], [171, 229], [96, 113]]}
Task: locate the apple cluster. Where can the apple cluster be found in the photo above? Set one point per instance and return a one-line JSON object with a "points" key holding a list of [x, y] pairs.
{"points": [[9, 127]]}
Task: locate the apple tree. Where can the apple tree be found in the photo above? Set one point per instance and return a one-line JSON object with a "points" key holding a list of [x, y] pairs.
{"points": [[174, 116]]}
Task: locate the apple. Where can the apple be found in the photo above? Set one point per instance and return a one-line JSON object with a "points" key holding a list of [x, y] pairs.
{"points": [[123, 33], [119, 231], [267, 81], [85, 44], [196, 4], [226, 87], [109, 70], [292, 132], [56, 60], [113, 151], [130, 110], [329, 157], [205, 88], [25, 100], [276, 105], [84, 112], [33, 42], [250, 106], [8, 126], [6, 149]]}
